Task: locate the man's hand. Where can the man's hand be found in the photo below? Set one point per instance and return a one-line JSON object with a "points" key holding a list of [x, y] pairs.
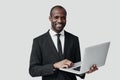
{"points": [[63, 64], [92, 69]]}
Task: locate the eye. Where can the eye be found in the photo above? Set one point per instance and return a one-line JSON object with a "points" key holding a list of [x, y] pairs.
{"points": [[56, 17], [64, 17]]}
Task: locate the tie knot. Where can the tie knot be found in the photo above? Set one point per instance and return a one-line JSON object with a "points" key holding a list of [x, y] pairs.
{"points": [[58, 35]]}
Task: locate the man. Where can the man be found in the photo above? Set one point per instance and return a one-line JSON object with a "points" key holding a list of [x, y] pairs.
{"points": [[55, 49]]}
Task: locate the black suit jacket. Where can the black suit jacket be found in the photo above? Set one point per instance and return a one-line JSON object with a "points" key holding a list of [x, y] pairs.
{"points": [[44, 55]]}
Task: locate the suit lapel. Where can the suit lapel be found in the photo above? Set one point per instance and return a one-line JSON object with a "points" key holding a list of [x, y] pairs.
{"points": [[52, 46], [66, 45]]}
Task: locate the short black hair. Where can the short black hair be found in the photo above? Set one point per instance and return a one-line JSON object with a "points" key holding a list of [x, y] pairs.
{"points": [[58, 6]]}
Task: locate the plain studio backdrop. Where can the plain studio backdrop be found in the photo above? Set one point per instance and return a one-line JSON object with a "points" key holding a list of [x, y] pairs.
{"points": [[93, 21]]}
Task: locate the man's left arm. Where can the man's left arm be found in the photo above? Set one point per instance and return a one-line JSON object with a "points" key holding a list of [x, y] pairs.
{"points": [[78, 58]]}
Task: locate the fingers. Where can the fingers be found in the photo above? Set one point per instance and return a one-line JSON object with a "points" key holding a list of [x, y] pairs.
{"points": [[63, 64], [92, 68], [68, 63]]}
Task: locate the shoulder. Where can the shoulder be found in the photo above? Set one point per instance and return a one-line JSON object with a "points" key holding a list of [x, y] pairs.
{"points": [[42, 36], [70, 35]]}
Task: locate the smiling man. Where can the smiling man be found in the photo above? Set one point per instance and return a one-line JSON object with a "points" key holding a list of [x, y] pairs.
{"points": [[58, 19], [55, 49]]}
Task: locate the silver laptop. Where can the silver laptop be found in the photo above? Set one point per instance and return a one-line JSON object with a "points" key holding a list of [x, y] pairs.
{"points": [[95, 54]]}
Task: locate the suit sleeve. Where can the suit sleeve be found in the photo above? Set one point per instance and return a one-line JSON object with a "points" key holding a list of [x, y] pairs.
{"points": [[78, 55], [36, 67]]}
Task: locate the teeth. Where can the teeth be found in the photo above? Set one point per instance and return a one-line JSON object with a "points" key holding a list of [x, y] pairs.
{"points": [[59, 24]]}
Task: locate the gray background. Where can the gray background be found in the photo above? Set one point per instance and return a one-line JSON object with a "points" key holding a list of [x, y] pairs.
{"points": [[93, 21]]}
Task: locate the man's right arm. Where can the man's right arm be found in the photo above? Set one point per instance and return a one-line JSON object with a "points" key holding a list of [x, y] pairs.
{"points": [[36, 68], [63, 64]]}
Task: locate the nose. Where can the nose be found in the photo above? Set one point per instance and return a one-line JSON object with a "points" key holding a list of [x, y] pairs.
{"points": [[59, 20]]}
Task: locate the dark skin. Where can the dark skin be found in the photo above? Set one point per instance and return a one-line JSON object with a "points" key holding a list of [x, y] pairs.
{"points": [[58, 19], [58, 22]]}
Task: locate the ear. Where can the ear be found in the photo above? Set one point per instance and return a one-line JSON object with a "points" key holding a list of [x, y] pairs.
{"points": [[50, 19]]}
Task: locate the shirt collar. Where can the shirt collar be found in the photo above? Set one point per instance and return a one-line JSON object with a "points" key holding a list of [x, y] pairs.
{"points": [[53, 33]]}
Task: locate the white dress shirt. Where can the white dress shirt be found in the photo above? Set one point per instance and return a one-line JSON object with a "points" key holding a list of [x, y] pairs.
{"points": [[54, 38]]}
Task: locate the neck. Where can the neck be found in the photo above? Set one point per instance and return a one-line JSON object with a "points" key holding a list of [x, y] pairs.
{"points": [[56, 31]]}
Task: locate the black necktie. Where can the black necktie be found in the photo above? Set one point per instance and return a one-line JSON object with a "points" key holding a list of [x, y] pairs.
{"points": [[59, 44]]}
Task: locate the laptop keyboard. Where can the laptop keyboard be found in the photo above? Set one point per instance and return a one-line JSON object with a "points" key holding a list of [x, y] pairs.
{"points": [[77, 68]]}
